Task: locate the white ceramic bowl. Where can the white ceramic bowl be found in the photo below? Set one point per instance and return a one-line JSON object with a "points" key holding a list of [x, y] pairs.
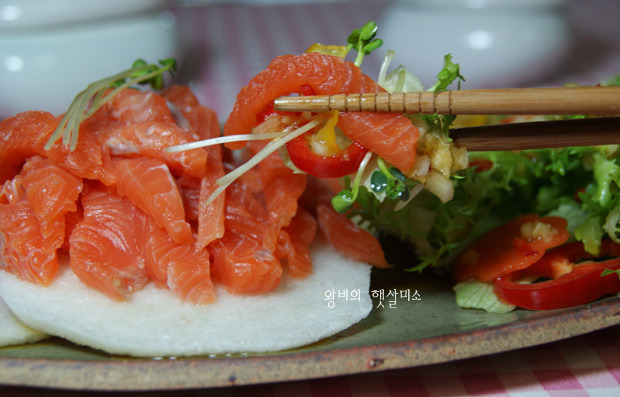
{"points": [[44, 68], [37, 14], [497, 43]]}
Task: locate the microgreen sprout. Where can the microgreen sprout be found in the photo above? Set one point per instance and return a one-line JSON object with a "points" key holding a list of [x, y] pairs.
{"points": [[390, 181], [363, 41], [448, 74], [343, 201], [97, 94]]}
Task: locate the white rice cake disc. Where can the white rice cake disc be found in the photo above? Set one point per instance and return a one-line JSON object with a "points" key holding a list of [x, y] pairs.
{"points": [[13, 332], [156, 324]]}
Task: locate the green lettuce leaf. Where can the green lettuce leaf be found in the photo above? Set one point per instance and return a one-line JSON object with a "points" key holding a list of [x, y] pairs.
{"points": [[478, 295]]}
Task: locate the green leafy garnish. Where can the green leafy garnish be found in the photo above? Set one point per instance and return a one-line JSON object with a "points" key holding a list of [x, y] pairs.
{"points": [[448, 74], [87, 102], [363, 41]]}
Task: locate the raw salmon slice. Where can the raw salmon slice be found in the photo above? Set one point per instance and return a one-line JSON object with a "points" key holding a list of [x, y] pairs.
{"points": [[281, 191], [202, 119], [133, 106], [285, 75], [72, 219], [12, 191], [26, 134], [244, 223], [190, 193], [150, 186], [294, 242], [251, 181], [244, 259], [349, 240], [105, 248], [392, 138], [303, 225], [184, 269], [325, 74], [24, 251], [150, 139], [297, 254], [243, 265], [246, 215], [204, 122], [52, 193], [208, 218], [211, 218]]}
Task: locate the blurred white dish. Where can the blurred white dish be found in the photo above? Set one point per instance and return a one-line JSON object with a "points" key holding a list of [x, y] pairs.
{"points": [[42, 13], [43, 69], [497, 43]]}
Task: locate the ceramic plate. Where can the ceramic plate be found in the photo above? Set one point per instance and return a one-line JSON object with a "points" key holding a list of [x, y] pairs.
{"points": [[399, 333]]}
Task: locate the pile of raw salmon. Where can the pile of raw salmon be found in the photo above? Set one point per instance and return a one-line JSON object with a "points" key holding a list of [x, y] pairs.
{"points": [[126, 212]]}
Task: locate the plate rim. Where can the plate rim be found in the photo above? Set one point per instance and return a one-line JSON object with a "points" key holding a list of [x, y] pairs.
{"points": [[133, 374]]}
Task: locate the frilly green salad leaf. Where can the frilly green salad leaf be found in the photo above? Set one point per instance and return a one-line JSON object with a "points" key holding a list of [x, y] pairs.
{"points": [[579, 183], [582, 184]]}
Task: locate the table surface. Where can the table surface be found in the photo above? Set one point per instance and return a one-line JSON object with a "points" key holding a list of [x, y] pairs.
{"points": [[225, 45], [587, 365]]}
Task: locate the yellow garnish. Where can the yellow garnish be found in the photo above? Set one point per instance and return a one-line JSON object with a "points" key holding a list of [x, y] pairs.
{"points": [[324, 141], [336, 50], [466, 120]]}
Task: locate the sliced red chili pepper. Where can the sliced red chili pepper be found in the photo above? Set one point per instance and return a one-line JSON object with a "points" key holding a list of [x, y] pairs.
{"points": [[582, 285], [481, 165], [506, 249], [560, 260], [335, 166]]}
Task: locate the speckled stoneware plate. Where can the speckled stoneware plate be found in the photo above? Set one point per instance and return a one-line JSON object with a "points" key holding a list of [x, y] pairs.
{"points": [[411, 333]]}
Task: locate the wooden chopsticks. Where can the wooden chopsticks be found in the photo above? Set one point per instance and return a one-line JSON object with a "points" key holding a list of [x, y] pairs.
{"points": [[599, 101], [515, 101], [539, 134]]}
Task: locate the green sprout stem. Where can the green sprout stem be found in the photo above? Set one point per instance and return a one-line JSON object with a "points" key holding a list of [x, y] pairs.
{"points": [[95, 95], [384, 169], [363, 41], [343, 201]]}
